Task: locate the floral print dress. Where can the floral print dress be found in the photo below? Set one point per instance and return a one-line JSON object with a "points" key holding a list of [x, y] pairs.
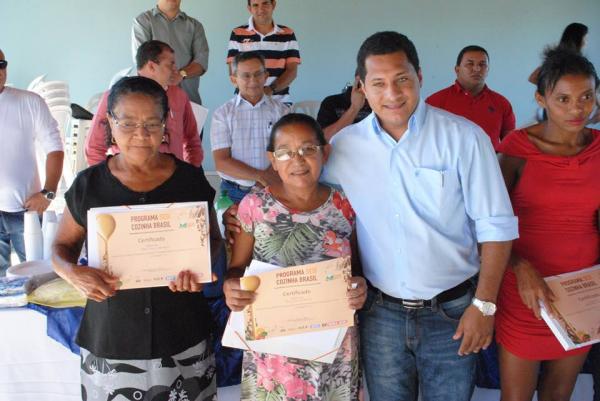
{"points": [[285, 237]]}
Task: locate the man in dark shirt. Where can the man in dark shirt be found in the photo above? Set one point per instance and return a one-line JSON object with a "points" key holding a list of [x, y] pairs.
{"points": [[339, 111]]}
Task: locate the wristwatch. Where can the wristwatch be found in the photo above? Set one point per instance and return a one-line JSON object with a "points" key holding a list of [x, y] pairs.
{"points": [[50, 195], [487, 308], [183, 74]]}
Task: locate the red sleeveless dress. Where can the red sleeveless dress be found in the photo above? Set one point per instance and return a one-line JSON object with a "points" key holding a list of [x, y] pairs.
{"points": [[556, 200]]}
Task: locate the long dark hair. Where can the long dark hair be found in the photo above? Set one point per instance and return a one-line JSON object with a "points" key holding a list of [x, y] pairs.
{"points": [[560, 61], [573, 35]]}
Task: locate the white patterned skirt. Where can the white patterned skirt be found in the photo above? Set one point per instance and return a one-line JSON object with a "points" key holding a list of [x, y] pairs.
{"points": [[187, 376]]}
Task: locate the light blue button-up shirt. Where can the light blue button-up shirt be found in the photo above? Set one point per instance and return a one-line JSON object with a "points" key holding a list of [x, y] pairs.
{"points": [[422, 203]]}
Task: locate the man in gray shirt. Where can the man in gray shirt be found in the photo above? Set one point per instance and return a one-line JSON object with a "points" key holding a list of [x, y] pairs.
{"points": [[167, 23]]}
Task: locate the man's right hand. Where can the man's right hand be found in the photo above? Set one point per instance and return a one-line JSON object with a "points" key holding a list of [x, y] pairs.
{"points": [[357, 97], [267, 177], [231, 222], [532, 287]]}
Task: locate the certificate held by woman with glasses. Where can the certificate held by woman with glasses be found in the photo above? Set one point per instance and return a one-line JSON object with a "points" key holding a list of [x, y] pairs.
{"points": [[300, 299], [148, 245]]}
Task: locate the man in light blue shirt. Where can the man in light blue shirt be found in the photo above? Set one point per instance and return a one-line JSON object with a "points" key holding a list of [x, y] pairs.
{"points": [[426, 188]]}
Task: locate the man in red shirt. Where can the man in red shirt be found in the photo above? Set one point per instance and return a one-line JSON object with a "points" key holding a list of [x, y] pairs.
{"points": [[155, 60], [470, 97]]}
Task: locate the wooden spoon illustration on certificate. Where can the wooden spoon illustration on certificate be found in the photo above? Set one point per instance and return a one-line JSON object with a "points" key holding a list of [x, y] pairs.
{"points": [[106, 225]]}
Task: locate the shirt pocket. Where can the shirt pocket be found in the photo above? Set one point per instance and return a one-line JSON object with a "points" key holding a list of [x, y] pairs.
{"points": [[428, 191]]}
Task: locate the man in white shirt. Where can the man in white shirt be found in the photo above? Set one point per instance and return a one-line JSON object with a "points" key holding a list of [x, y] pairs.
{"points": [[241, 127], [24, 118]]}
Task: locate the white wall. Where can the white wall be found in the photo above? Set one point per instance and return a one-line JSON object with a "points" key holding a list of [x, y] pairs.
{"points": [[85, 42]]}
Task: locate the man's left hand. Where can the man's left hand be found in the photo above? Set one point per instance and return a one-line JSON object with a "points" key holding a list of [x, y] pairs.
{"points": [[37, 202], [475, 329]]}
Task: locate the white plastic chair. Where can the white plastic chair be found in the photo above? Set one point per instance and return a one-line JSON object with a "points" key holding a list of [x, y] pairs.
{"points": [[58, 102], [310, 107], [55, 93], [47, 86], [79, 130], [200, 114], [62, 115], [92, 104], [36, 81]]}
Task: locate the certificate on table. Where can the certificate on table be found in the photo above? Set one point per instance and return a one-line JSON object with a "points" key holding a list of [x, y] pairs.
{"points": [[576, 320], [299, 299], [148, 245]]}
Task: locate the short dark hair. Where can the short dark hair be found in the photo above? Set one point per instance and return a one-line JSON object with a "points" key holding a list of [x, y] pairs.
{"points": [[573, 35], [297, 118], [382, 43], [150, 51], [249, 2], [560, 61], [246, 56], [470, 48], [128, 85]]}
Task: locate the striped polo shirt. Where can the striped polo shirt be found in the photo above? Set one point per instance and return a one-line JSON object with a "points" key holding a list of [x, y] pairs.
{"points": [[279, 47]]}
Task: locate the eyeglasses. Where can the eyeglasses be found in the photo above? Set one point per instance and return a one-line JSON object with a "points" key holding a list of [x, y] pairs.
{"points": [[3, 64], [246, 76], [129, 126], [283, 155]]}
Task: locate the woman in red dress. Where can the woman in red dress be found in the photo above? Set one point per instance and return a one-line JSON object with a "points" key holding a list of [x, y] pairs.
{"points": [[552, 171]]}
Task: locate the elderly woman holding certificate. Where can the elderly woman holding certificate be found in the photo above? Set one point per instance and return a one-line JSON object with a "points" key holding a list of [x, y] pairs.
{"points": [[551, 171], [295, 222], [144, 343]]}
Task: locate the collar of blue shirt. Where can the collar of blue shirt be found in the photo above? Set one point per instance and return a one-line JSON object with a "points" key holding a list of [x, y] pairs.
{"points": [[415, 122]]}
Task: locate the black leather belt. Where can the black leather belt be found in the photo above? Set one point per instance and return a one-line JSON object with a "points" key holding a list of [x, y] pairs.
{"points": [[238, 186], [448, 295]]}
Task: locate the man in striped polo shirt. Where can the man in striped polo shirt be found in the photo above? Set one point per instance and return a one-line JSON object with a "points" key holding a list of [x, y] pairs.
{"points": [[277, 44]]}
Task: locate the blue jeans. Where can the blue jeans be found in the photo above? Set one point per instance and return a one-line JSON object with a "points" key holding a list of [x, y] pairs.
{"points": [[234, 191], [407, 351], [11, 233]]}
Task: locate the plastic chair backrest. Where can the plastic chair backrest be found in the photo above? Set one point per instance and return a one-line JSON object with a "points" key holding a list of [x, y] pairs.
{"points": [[36, 81]]}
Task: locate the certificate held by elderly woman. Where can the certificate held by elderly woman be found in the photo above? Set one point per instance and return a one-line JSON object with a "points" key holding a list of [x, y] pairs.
{"points": [[148, 245]]}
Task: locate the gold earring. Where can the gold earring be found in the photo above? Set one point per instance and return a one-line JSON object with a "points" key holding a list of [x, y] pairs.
{"points": [[164, 139], [112, 140]]}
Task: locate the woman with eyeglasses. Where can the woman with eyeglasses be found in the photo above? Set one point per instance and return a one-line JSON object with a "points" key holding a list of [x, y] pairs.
{"points": [[140, 343], [291, 223]]}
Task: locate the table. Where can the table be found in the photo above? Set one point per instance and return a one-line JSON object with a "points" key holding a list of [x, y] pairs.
{"points": [[34, 367]]}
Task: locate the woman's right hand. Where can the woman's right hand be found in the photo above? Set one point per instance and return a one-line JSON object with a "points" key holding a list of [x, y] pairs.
{"points": [[236, 298], [93, 283], [532, 287]]}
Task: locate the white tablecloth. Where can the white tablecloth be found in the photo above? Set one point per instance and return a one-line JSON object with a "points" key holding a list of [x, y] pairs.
{"points": [[34, 367]]}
